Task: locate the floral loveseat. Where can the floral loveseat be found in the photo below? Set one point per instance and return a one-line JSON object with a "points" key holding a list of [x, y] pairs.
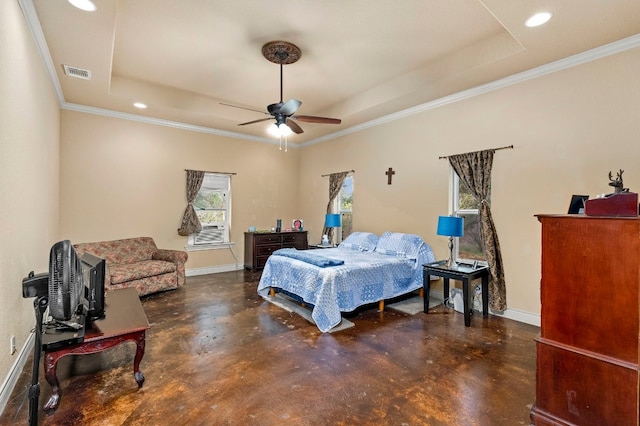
{"points": [[138, 262]]}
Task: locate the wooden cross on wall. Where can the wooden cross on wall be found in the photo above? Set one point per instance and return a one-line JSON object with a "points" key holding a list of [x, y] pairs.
{"points": [[389, 174]]}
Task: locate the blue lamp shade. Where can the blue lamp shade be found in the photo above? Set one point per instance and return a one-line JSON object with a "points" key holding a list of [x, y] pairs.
{"points": [[451, 226], [333, 220]]}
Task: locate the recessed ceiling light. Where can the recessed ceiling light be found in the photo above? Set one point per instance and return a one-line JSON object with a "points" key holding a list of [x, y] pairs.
{"points": [[538, 19], [86, 5], [139, 105]]}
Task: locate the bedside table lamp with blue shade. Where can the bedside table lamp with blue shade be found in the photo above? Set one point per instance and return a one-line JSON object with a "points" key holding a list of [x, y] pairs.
{"points": [[450, 226], [332, 220]]}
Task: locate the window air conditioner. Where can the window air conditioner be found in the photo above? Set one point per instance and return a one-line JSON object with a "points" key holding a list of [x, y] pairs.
{"points": [[212, 234]]}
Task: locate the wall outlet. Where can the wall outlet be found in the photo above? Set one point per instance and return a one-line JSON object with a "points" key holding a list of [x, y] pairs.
{"points": [[12, 345]]}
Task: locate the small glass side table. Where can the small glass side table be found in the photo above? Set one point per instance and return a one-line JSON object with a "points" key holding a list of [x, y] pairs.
{"points": [[466, 274], [321, 246]]}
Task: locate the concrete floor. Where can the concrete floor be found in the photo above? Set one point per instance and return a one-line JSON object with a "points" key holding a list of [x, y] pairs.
{"points": [[218, 354]]}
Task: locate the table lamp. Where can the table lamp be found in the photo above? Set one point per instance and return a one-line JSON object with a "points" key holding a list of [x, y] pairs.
{"points": [[333, 220], [450, 226]]}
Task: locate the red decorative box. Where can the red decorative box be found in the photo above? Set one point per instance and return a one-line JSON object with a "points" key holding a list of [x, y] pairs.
{"points": [[622, 204]]}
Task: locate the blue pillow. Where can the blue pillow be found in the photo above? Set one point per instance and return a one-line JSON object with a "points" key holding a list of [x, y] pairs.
{"points": [[360, 241], [398, 244]]}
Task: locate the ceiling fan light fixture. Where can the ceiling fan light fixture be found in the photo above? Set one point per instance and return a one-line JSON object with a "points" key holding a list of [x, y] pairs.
{"points": [[279, 130], [86, 5], [538, 19]]}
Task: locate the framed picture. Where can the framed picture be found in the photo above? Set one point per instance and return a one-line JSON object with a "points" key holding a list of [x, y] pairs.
{"points": [[296, 224], [576, 206]]}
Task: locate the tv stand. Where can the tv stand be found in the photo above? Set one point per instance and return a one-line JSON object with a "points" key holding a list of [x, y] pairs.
{"points": [[124, 320]]}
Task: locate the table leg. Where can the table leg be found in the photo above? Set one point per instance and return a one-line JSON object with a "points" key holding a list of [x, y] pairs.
{"points": [[445, 290], [485, 295], [426, 285], [50, 362], [137, 374], [465, 302]]}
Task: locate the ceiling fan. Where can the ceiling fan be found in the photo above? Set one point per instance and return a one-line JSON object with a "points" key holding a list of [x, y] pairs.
{"points": [[284, 53]]}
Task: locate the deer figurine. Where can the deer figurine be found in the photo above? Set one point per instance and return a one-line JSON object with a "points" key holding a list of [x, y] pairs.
{"points": [[617, 182]]}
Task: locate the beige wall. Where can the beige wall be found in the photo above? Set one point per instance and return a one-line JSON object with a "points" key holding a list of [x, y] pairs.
{"points": [[569, 129], [123, 179], [29, 139]]}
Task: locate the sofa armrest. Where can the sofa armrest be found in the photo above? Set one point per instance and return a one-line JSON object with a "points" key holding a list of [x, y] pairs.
{"points": [[175, 256]]}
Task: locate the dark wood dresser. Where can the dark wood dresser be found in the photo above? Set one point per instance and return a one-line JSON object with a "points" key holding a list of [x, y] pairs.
{"points": [[259, 246], [587, 352]]}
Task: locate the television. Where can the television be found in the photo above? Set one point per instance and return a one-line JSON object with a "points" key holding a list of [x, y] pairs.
{"points": [[93, 271]]}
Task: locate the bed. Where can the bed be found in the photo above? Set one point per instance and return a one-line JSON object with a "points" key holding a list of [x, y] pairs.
{"points": [[363, 269]]}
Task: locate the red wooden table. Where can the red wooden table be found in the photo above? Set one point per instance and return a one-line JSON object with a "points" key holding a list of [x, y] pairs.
{"points": [[124, 320]]}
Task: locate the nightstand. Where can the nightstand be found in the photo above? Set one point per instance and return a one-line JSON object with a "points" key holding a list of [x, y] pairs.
{"points": [[321, 246], [466, 274]]}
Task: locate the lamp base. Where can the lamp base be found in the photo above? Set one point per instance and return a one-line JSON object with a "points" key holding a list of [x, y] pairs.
{"points": [[451, 263]]}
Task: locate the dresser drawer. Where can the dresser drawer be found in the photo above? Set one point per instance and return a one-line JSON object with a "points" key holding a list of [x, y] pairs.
{"points": [[261, 261], [268, 239], [266, 250], [295, 239], [289, 239]]}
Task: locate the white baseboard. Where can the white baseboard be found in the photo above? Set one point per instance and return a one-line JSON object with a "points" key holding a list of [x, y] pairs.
{"points": [[212, 270], [14, 373], [512, 314], [520, 316]]}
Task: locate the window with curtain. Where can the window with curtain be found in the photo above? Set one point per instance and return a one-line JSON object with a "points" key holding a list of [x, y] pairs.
{"points": [[345, 206], [470, 246], [213, 209]]}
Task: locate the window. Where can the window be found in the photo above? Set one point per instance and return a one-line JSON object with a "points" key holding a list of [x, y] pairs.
{"points": [[213, 208], [345, 207], [464, 204]]}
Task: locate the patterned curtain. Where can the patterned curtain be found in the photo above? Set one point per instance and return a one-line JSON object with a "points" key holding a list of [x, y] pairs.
{"points": [[190, 222], [335, 184], [474, 169]]}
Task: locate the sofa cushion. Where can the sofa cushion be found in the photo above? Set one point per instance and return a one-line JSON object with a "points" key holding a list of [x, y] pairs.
{"points": [[133, 271]]}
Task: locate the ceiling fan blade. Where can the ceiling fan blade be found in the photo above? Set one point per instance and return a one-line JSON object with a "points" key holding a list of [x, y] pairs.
{"points": [[290, 107], [314, 119], [241, 107], [255, 121], [274, 109], [294, 126]]}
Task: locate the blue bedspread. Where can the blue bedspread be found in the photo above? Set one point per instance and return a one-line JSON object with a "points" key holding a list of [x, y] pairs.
{"points": [[308, 256], [365, 277]]}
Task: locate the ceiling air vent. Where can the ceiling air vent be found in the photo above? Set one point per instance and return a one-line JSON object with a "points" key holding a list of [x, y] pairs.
{"points": [[77, 72]]}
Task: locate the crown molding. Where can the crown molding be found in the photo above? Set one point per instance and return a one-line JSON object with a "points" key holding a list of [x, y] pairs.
{"points": [[162, 122], [31, 17], [613, 48]]}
